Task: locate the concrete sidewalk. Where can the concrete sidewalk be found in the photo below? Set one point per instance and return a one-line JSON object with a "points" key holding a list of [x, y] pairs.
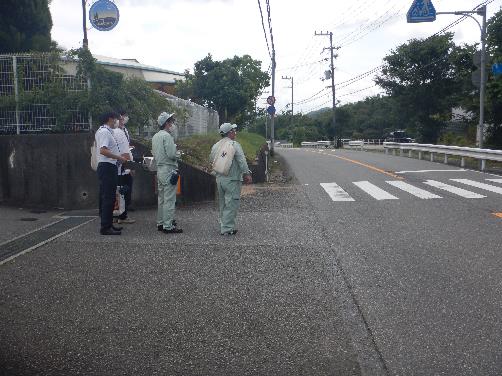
{"points": [[268, 301]]}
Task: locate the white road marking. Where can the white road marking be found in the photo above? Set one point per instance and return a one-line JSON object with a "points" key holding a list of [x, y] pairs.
{"points": [[374, 191], [450, 188], [336, 192], [420, 193], [486, 187], [495, 180], [406, 172]]}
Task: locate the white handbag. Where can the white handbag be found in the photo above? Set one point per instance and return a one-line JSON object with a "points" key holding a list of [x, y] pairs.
{"points": [[224, 158], [94, 156]]}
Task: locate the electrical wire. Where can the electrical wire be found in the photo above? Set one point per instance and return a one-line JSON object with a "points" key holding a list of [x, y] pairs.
{"points": [[264, 31]]}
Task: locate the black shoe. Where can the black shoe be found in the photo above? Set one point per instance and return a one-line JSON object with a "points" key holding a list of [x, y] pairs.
{"points": [[233, 232], [117, 228], [161, 227], [109, 231], [173, 231]]}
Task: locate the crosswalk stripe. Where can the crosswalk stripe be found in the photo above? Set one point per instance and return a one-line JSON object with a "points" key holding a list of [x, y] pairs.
{"points": [[450, 188], [486, 187], [495, 180], [415, 191], [336, 192], [374, 191]]}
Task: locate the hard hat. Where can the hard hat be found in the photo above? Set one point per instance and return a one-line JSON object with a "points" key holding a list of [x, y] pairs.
{"points": [[227, 127], [163, 117]]}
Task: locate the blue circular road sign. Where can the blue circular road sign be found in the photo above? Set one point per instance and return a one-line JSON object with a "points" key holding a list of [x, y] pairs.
{"points": [[271, 110], [104, 15]]}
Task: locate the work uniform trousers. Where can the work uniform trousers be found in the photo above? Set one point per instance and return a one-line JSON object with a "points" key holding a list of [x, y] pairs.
{"points": [[107, 175], [166, 197], [126, 180], [229, 198]]}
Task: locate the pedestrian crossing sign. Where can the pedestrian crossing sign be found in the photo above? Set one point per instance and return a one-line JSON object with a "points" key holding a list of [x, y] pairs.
{"points": [[421, 11]]}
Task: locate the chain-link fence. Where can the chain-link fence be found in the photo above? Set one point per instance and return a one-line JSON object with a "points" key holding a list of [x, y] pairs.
{"points": [[20, 112]]}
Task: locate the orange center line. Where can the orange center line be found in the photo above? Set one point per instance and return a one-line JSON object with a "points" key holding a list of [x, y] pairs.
{"points": [[373, 168]]}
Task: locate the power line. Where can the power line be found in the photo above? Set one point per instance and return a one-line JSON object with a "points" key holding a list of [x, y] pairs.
{"points": [[364, 75], [264, 31]]}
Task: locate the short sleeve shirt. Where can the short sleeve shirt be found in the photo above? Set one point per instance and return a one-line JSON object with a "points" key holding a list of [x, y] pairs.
{"points": [[122, 137], [105, 138]]}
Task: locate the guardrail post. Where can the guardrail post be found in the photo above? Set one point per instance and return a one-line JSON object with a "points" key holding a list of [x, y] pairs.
{"points": [[432, 157], [409, 154], [386, 151], [446, 159], [394, 152], [419, 155], [462, 162], [400, 152], [483, 164]]}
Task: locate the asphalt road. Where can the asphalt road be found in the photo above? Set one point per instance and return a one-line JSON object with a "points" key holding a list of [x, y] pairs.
{"points": [[268, 301], [399, 285], [425, 272]]}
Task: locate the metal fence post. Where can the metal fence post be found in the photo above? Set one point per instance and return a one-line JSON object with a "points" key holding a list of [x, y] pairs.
{"points": [[16, 93]]}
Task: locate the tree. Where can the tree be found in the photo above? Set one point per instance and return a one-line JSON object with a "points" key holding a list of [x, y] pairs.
{"points": [[230, 86], [25, 25], [427, 78], [494, 85]]}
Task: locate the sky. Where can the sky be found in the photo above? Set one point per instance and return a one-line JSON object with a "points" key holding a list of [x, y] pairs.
{"points": [[175, 34]]}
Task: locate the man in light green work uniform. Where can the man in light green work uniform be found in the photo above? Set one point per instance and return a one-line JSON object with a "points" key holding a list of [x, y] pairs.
{"points": [[166, 157], [229, 186]]}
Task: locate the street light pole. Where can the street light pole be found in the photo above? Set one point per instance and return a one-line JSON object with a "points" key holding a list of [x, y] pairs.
{"points": [[481, 11]]}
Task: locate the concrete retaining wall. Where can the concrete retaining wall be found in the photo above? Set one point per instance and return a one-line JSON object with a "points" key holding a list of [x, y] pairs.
{"points": [[53, 171]]}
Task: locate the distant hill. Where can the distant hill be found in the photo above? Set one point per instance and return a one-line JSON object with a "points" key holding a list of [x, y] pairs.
{"points": [[316, 113]]}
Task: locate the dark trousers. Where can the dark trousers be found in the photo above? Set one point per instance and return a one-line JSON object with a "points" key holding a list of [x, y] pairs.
{"points": [[126, 180], [108, 179]]}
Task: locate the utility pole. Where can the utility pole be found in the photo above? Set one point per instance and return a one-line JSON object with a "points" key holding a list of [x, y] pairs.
{"points": [[292, 91], [332, 53], [272, 130]]}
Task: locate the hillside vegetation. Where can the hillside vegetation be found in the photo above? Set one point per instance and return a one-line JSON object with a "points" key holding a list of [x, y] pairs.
{"points": [[196, 148]]}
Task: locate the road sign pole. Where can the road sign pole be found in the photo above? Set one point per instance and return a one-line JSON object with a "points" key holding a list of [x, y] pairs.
{"points": [[482, 88], [85, 42], [272, 130], [414, 15]]}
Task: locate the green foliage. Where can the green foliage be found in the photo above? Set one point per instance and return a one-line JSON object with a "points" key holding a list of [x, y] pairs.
{"points": [[196, 149], [25, 25], [230, 86], [426, 78], [110, 90]]}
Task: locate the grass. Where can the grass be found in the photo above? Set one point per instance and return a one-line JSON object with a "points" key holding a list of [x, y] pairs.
{"points": [[196, 148]]}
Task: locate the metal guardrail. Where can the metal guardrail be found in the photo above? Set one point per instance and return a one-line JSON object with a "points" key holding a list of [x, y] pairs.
{"points": [[356, 144], [316, 144], [464, 152], [287, 146]]}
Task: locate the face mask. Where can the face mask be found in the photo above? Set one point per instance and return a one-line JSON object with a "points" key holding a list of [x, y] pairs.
{"points": [[126, 119]]}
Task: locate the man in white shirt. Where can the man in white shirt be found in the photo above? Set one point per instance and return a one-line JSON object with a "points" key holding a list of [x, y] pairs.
{"points": [[109, 160], [125, 176]]}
